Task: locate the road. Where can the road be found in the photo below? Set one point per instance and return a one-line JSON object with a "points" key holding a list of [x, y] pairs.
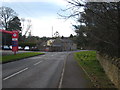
{"points": [[42, 71]]}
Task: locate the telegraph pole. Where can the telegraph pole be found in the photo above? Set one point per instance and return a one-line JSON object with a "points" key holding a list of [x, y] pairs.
{"points": [[52, 31]]}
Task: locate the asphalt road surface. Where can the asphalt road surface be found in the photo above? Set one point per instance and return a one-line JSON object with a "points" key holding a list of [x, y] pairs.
{"points": [[42, 71]]}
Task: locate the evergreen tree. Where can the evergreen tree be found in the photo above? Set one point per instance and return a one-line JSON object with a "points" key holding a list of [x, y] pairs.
{"points": [[99, 25], [14, 24]]}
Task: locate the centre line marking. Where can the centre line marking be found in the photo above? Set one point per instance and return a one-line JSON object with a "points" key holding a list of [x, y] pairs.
{"points": [[37, 63], [37, 58], [15, 74]]}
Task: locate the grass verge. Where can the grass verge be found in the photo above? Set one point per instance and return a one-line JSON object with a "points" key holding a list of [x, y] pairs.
{"points": [[88, 61], [10, 58]]}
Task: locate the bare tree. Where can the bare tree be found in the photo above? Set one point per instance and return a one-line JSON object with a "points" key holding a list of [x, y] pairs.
{"points": [[23, 25], [6, 14], [73, 9]]}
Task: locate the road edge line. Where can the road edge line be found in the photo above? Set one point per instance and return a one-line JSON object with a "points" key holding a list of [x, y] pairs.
{"points": [[62, 74]]}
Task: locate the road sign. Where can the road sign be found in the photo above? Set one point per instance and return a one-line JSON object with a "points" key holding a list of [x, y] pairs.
{"points": [[15, 41]]}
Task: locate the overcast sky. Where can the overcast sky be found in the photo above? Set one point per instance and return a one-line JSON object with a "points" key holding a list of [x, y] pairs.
{"points": [[43, 15]]}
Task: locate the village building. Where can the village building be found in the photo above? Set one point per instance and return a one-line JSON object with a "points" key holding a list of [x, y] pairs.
{"points": [[58, 44]]}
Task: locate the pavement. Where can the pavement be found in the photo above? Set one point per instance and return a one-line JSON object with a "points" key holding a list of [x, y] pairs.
{"points": [[9, 52], [74, 76]]}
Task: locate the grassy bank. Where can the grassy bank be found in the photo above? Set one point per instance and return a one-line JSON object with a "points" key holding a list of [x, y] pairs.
{"points": [[87, 60], [10, 58]]}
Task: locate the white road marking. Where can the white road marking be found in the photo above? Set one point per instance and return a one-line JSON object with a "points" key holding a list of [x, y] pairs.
{"points": [[37, 63], [36, 57], [62, 75], [54, 54], [15, 73], [61, 80]]}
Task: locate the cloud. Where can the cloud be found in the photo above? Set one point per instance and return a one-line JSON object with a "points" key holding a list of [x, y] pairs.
{"points": [[43, 27], [59, 2], [42, 18]]}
